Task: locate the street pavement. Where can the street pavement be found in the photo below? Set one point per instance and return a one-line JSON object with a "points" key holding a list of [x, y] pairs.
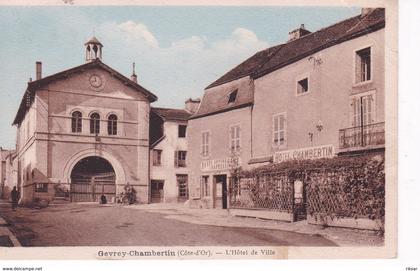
{"points": [[218, 217], [114, 225]]}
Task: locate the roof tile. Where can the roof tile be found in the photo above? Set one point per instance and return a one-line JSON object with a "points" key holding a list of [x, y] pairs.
{"points": [[216, 94], [172, 114]]}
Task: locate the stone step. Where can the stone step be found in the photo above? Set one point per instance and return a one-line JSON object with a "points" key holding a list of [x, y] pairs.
{"points": [[60, 200]]}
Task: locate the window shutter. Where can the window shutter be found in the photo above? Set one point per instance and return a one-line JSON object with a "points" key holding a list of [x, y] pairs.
{"points": [[369, 110], [176, 159]]}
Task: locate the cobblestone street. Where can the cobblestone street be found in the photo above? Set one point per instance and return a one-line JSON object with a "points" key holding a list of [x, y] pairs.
{"points": [[95, 225]]}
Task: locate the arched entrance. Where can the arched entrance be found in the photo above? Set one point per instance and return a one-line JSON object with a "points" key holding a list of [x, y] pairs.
{"points": [[92, 177]]}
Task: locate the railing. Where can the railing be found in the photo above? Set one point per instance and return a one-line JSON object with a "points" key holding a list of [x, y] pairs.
{"points": [[362, 136], [268, 191]]}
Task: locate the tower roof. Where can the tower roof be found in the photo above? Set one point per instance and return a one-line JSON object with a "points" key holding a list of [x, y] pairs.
{"points": [[94, 40]]}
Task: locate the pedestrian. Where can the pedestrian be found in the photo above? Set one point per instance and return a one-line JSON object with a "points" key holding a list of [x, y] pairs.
{"points": [[14, 195], [103, 199]]}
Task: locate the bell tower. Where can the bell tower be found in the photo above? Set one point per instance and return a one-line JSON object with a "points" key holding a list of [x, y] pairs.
{"points": [[93, 49]]}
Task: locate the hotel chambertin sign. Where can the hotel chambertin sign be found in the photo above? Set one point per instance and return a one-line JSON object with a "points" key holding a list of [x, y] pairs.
{"points": [[220, 164], [326, 151]]}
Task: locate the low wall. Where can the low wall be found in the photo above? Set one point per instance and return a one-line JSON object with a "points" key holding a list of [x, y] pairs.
{"points": [[353, 223], [265, 214], [201, 203], [28, 194]]}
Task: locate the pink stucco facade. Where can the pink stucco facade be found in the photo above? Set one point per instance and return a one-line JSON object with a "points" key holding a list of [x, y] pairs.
{"points": [[327, 102], [312, 119], [220, 153], [48, 149]]}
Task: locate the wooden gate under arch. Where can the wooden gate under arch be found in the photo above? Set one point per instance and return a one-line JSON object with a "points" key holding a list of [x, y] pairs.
{"points": [[91, 188]]}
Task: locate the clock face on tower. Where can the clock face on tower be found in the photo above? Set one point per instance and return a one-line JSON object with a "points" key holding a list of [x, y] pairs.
{"points": [[95, 81]]}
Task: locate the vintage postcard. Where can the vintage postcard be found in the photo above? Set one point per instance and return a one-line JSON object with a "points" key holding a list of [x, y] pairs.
{"points": [[198, 130]]}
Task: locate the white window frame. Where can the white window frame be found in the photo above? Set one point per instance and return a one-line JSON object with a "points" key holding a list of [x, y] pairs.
{"points": [[155, 152], [71, 121], [355, 57], [233, 141], [358, 96], [205, 186], [177, 155], [299, 78], [118, 127], [273, 132], [100, 122], [86, 113], [202, 146]]}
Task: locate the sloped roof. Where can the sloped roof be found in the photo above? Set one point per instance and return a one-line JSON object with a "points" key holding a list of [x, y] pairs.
{"points": [[172, 114], [216, 95], [217, 100], [247, 67], [94, 40], [281, 55], [97, 63]]}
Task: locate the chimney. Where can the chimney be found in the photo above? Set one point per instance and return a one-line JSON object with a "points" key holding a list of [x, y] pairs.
{"points": [[298, 33], [38, 70], [366, 11], [191, 105], [134, 78], [134, 75]]}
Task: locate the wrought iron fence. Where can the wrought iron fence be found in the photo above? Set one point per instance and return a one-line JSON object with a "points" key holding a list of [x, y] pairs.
{"points": [[342, 191], [360, 136], [324, 193], [267, 191]]}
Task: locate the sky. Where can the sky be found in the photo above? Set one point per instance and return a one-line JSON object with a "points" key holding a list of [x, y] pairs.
{"points": [[178, 51]]}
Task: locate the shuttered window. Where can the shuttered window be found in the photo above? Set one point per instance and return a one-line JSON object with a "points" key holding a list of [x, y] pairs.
{"points": [[205, 186], [279, 129], [157, 157], [180, 159], [182, 181], [235, 138], [362, 110], [205, 143]]}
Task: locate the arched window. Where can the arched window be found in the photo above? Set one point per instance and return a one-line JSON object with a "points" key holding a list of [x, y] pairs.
{"points": [[76, 122], [94, 123], [112, 124]]}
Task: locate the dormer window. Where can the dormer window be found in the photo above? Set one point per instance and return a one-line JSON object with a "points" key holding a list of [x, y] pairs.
{"points": [[302, 86], [232, 96]]}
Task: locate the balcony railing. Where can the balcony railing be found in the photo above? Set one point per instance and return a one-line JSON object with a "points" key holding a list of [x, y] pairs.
{"points": [[362, 136]]}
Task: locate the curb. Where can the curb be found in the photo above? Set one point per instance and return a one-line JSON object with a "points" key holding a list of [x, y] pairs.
{"points": [[193, 217], [4, 230]]}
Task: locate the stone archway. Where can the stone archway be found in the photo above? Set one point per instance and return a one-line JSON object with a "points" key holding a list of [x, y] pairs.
{"points": [[120, 176], [92, 177]]}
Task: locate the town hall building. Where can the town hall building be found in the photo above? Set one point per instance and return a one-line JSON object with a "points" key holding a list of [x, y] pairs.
{"points": [[83, 133]]}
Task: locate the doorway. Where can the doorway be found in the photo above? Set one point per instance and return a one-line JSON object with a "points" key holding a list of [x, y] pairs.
{"points": [[91, 178], [157, 191], [220, 191]]}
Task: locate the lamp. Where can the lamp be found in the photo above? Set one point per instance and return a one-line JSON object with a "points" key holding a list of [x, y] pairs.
{"points": [[319, 126]]}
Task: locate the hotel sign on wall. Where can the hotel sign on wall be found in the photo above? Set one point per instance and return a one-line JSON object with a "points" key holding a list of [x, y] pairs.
{"points": [[326, 151], [220, 164]]}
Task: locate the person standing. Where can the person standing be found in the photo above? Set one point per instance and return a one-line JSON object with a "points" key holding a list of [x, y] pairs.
{"points": [[15, 198]]}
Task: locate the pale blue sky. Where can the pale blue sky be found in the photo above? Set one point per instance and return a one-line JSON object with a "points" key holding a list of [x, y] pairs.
{"points": [[178, 50]]}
